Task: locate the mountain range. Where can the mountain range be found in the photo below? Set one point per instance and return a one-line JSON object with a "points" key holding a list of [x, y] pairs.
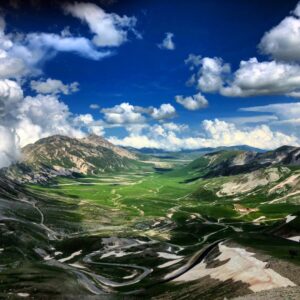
{"points": [[156, 151], [64, 156]]}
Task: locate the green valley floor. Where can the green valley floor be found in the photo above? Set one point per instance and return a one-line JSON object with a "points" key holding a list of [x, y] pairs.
{"points": [[150, 233]]}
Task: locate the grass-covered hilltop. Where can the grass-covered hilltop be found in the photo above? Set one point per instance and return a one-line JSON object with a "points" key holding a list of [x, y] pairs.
{"points": [[82, 217]]}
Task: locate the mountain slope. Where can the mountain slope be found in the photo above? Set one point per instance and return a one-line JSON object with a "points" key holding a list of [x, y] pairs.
{"points": [[96, 140], [61, 155], [271, 177], [225, 163]]}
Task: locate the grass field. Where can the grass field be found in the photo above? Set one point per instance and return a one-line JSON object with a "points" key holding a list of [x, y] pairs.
{"points": [[147, 196]]}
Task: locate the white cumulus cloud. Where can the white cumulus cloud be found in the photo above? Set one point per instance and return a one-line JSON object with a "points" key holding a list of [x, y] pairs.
{"points": [[211, 72], [263, 78], [123, 113], [11, 96], [87, 122], [54, 86], [194, 102], [110, 29], [223, 133], [45, 115], [165, 111], [283, 41], [9, 150], [167, 42], [94, 106], [215, 133], [175, 127], [126, 113], [42, 116]]}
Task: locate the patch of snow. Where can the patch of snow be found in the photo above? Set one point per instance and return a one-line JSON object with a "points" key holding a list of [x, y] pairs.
{"points": [[142, 242], [24, 295], [168, 255], [193, 216], [156, 223], [170, 263], [295, 238], [130, 276], [77, 265], [289, 218], [114, 253], [237, 229], [118, 254], [48, 257], [259, 219], [239, 265], [170, 215], [71, 256]]}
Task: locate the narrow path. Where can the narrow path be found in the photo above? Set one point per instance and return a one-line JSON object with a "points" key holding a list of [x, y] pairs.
{"points": [[52, 235]]}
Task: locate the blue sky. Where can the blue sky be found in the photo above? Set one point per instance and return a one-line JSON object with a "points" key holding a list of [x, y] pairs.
{"points": [[143, 74], [128, 60]]}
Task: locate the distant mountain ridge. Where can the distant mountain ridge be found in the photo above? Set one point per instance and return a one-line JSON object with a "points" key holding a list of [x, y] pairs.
{"points": [[60, 155], [200, 150], [225, 163]]}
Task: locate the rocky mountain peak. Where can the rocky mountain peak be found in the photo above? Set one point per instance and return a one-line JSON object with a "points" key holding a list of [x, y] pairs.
{"points": [[61, 156], [97, 140]]}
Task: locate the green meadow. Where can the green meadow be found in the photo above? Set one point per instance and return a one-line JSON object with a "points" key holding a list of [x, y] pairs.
{"points": [[127, 231]]}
